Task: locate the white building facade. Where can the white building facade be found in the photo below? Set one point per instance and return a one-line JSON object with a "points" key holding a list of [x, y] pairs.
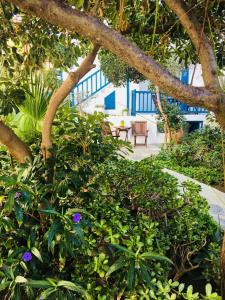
{"points": [[133, 102]]}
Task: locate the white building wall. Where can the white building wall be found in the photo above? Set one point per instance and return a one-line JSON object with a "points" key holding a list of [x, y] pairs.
{"points": [[96, 103], [195, 71]]}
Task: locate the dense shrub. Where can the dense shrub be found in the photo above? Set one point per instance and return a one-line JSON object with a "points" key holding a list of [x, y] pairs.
{"points": [[106, 228], [199, 155]]}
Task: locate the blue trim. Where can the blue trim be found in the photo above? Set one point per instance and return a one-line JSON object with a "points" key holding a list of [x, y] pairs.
{"points": [[185, 76], [147, 104], [128, 95], [133, 103], [89, 86], [110, 101]]}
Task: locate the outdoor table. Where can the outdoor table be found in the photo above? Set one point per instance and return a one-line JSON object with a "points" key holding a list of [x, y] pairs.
{"points": [[123, 128]]}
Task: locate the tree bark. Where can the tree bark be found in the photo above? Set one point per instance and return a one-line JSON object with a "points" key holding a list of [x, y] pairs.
{"points": [[200, 41], [17, 148], [65, 16], [165, 118], [72, 79]]}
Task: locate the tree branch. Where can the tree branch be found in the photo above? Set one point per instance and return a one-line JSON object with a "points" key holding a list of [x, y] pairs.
{"points": [[58, 97], [200, 41], [17, 148], [61, 14]]}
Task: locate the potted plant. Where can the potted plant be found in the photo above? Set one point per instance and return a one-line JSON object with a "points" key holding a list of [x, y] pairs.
{"points": [[176, 123]]}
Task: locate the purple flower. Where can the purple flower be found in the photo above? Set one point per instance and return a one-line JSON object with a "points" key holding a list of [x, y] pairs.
{"points": [[27, 256], [17, 195], [76, 218]]}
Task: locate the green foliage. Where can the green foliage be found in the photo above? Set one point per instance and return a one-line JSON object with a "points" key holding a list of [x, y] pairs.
{"points": [[135, 229], [175, 120], [154, 28], [118, 71], [27, 120], [28, 42], [199, 155]]}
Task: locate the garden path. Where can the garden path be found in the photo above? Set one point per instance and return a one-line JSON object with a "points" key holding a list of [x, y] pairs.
{"points": [[215, 198]]}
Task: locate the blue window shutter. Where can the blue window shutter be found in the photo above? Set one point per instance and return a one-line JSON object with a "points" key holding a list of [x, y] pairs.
{"points": [[185, 76], [110, 102]]}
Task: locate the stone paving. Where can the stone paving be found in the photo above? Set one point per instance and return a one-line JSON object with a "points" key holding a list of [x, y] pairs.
{"points": [[141, 152], [215, 198]]}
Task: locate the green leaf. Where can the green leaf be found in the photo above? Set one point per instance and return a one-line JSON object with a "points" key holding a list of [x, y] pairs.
{"points": [[36, 253], [4, 285], [10, 202], [24, 266], [19, 214], [123, 249], [52, 231], [8, 180], [153, 256], [144, 272], [50, 212], [48, 292], [208, 289], [181, 287], [20, 279], [131, 275], [42, 284], [72, 287], [121, 262]]}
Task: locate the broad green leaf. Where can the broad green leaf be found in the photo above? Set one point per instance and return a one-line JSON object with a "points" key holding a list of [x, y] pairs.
{"points": [[52, 231], [48, 292], [49, 211], [72, 287], [2, 197], [19, 214], [123, 249], [144, 272], [8, 180], [154, 256], [10, 201], [181, 287], [131, 275], [208, 289], [36, 253], [42, 284], [52, 281], [24, 266], [20, 279], [4, 285], [79, 232], [121, 262]]}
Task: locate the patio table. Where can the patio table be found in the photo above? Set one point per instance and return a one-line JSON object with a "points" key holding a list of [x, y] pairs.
{"points": [[123, 129]]}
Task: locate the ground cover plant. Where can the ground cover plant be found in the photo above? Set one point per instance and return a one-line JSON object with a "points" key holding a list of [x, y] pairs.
{"points": [[199, 155], [105, 227]]}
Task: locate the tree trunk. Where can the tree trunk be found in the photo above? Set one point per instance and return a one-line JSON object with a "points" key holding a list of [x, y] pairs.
{"points": [[63, 15], [200, 41], [59, 96], [165, 118], [17, 148]]}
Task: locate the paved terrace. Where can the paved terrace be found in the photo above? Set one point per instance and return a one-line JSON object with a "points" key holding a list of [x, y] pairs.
{"points": [[215, 198]]}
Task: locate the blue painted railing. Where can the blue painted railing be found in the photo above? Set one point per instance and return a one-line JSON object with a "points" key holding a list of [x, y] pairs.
{"points": [[89, 87], [145, 102]]}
